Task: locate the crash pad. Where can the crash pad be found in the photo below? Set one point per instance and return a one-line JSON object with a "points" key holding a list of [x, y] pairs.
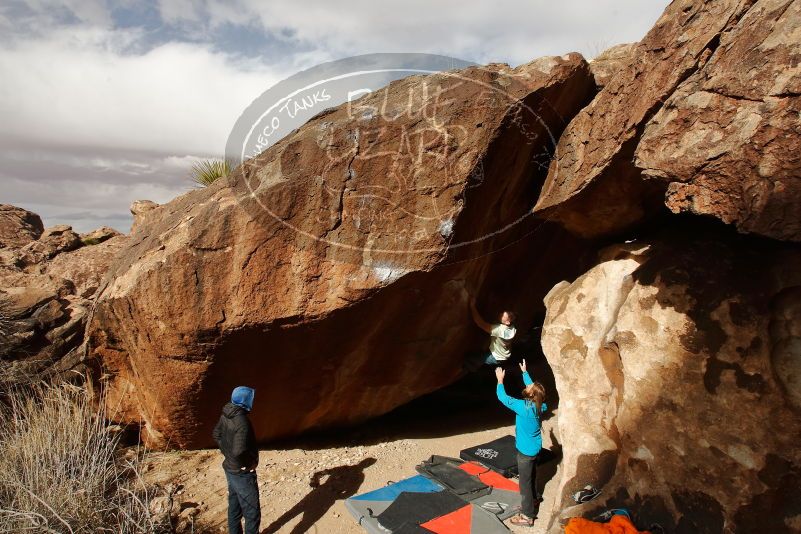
{"points": [[500, 455], [504, 498], [469, 519], [366, 507]]}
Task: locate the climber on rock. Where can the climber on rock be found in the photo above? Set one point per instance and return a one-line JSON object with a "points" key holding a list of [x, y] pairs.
{"points": [[501, 336], [235, 437], [528, 439]]}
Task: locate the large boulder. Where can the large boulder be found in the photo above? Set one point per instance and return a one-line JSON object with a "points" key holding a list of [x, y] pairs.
{"points": [[704, 118], [332, 271], [678, 367]]}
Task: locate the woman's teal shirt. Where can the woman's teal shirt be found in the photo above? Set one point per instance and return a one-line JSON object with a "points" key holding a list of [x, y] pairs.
{"points": [[528, 438]]}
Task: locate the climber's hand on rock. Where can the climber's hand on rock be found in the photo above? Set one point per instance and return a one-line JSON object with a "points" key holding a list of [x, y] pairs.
{"points": [[499, 374]]}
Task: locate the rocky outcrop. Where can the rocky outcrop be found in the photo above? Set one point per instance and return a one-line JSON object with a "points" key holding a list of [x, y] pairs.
{"points": [[677, 363], [103, 233], [86, 267], [18, 226], [46, 287], [703, 119], [52, 242], [140, 210], [328, 271], [607, 63], [727, 143]]}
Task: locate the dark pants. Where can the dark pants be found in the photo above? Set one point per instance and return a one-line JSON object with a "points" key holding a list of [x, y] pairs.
{"points": [[527, 476], [243, 501]]}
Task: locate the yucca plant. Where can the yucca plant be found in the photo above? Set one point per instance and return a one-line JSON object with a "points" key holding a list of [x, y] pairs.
{"points": [[206, 172]]}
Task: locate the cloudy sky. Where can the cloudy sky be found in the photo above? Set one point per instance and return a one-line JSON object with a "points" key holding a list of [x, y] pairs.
{"points": [[103, 103]]}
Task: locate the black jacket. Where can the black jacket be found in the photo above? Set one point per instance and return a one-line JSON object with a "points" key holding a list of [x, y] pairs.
{"points": [[235, 438]]}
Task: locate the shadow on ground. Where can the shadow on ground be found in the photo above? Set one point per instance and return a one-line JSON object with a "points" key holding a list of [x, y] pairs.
{"points": [[328, 486]]}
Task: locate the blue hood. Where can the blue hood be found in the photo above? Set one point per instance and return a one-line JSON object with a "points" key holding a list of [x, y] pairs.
{"points": [[243, 396]]}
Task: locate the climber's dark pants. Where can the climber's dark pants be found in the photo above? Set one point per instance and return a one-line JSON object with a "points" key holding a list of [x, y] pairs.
{"points": [[243, 501], [527, 477]]}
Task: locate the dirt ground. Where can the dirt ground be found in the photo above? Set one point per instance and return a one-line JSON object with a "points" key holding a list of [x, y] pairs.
{"points": [[344, 463]]}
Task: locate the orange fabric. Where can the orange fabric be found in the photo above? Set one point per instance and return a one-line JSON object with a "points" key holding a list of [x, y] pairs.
{"points": [[458, 522], [619, 524], [490, 478]]}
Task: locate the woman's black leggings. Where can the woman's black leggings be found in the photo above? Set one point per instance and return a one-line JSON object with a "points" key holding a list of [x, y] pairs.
{"points": [[527, 473]]}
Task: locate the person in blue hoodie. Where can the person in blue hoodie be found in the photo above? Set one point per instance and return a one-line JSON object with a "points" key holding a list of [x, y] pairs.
{"points": [[235, 437], [528, 439]]}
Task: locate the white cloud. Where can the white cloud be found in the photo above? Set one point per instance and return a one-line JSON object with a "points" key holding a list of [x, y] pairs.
{"points": [[77, 87], [513, 31]]}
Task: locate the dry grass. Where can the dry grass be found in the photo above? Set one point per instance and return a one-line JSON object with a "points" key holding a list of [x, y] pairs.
{"points": [[61, 469], [6, 321]]}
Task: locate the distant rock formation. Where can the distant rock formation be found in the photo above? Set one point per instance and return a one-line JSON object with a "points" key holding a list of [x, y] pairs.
{"points": [[330, 271], [703, 119], [678, 364], [94, 237], [47, 280], [18, 227]]}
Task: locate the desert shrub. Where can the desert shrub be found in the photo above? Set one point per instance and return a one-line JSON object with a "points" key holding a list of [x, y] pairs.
{"points": [[61, 468], [206, 172]]}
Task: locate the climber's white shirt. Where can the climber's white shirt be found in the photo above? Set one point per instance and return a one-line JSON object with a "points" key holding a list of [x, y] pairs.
{"points": [[501, 341]]}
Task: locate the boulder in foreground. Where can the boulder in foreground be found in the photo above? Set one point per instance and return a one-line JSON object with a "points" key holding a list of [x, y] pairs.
{"points": [[329, 272], [678, 366]]}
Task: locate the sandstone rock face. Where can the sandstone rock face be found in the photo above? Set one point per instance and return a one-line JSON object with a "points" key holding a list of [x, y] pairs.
{"points": [[728, 141], [327, 272], [608, 62], [677, 364], [704, 119], [18, 226], [46, 289]]}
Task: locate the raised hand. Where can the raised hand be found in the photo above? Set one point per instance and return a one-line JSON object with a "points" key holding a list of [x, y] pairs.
{"points": [[499, 374], [523, 367]]}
